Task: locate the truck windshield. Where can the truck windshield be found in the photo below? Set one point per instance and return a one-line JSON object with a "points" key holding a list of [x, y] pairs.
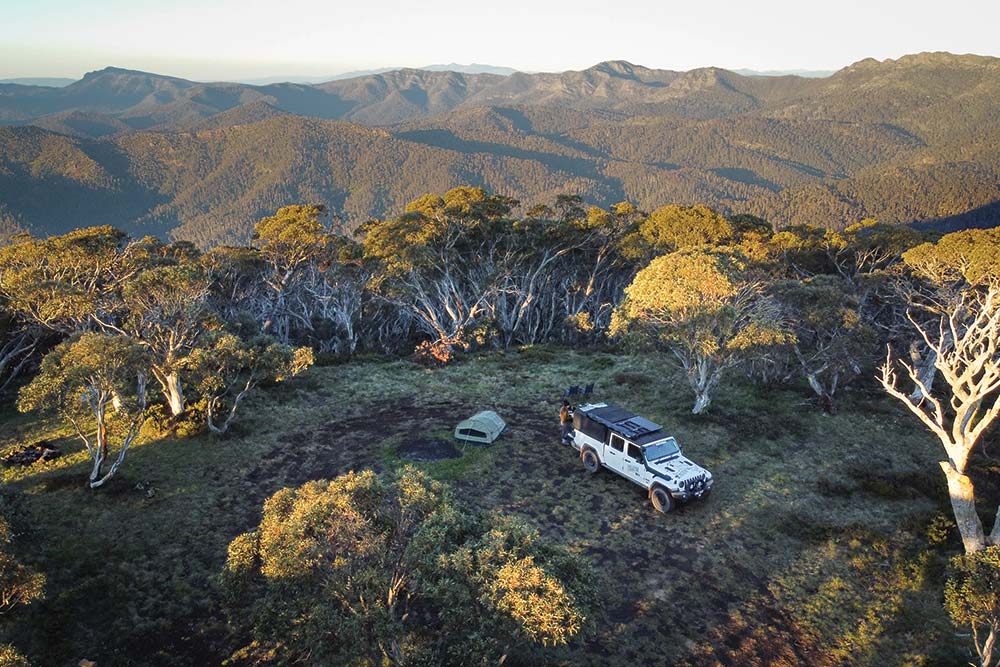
{"points": [[661, 450]]}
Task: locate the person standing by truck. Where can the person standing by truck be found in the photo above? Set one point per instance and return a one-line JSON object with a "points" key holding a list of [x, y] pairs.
{"points": [[566, 421]]}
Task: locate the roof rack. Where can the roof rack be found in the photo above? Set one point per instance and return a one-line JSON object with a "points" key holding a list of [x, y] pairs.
{"points": [[620, 421], [638, 426]]}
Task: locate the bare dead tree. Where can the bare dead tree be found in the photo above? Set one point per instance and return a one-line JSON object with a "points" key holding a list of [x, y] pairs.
{"points": [[966, 349]]}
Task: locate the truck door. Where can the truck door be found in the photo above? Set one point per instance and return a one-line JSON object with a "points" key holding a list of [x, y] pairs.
{"points": [[634, 467], [614, 453]]}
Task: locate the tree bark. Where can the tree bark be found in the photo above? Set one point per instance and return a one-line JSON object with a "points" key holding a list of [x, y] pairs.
{"points": [[926, 371], [963, 504], [986, 652], [701, 402], [174, 394], [825, 397], [703, 376]]}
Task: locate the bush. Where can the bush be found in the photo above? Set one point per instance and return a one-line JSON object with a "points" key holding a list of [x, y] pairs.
{"points": [[972, 597], [362, 571], [10, 657], [19, 584], [436, 353]]}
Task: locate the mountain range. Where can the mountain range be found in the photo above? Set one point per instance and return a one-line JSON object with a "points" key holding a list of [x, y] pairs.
{"points": [[913, 140], [474, 68], [51, 81]]}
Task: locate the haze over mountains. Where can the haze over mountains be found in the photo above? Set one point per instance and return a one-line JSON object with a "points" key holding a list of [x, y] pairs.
{"points": [[51, 81], [911, 140]]}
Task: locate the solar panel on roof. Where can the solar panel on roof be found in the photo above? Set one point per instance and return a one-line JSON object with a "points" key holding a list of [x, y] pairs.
{"points": [[612, 414], [641, 424], [622, 421]]}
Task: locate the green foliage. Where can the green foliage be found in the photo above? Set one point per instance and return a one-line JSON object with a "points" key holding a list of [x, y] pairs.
{"points": [[972, 256], [702, 307], [84, 370], [291, 235], [506, 578], [833, 340], [166, 299], [674, 227], [225, 369], [364, 571], [692, 300], [972, 596], [744, 223], [19, 584], [60, 282], [462, 216]]}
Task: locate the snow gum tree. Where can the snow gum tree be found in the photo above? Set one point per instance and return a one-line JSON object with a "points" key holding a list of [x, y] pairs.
{"points": [[287, 242], [61, 282], [962, 272], [604, 260], [80, 379], [705, 310], [165, 309], [226, 369], [441, 260], [18, 340], [832, 340], [674, 227]]}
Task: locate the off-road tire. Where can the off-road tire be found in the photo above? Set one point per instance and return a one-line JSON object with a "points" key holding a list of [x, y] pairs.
{"points": [[590, 460], [661, 499]]}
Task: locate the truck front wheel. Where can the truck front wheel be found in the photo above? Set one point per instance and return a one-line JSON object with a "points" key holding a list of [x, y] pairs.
{"points": [[590, 461], [661, 499]]}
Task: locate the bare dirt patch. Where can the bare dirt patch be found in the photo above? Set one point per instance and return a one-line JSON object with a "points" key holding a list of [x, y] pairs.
{"points": [[421, 450]]}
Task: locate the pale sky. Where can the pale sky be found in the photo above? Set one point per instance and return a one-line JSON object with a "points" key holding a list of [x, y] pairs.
{"points": [[234, 39]]}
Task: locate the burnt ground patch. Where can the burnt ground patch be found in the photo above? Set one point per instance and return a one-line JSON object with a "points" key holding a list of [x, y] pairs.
{"points": [[338, 445], [426, 449]]}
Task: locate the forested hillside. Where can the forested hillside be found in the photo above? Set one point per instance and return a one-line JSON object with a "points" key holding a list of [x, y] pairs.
{"points": [[912, 140]]}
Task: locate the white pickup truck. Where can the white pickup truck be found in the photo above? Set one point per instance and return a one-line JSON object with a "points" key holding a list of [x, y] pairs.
{"points": [[637, 449]]}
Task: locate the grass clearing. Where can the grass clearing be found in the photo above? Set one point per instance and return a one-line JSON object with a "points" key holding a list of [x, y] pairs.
{"points": [[823, 542]]}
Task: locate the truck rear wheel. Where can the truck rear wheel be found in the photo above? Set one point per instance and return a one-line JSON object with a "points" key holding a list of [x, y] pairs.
{"points": [[590, 461], [661, 499]]}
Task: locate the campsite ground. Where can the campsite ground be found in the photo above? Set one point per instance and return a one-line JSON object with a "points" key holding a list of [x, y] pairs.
{"points": [[823, 543]]}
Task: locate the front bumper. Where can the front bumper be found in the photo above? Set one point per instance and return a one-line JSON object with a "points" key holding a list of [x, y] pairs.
{"points": [[694, 490]]}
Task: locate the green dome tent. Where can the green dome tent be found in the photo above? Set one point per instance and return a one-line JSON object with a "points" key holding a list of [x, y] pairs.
{"points": [[483, 428]]}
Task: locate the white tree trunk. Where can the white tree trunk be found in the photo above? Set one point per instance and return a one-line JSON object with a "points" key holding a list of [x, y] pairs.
{"points": [[100, 453], [963, 504], [986, 650], [174, 394], [703, 376]]}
